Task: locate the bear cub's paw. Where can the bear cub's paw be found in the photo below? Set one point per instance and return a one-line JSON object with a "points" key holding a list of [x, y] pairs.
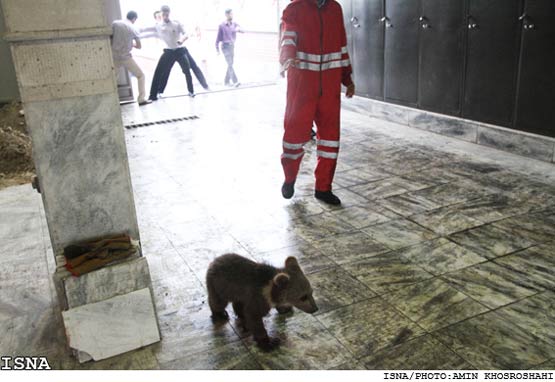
{"points": [[284, 309], [268, 344], [220, 316]]}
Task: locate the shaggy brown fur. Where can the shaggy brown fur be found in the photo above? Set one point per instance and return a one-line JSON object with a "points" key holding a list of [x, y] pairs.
{"points": [[253, 289]]}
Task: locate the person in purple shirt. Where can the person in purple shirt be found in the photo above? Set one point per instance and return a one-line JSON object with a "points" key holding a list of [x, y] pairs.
{"points": [[227, 34]]}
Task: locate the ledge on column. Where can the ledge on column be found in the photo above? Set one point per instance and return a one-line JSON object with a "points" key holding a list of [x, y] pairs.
{"points": [[57, 35]]}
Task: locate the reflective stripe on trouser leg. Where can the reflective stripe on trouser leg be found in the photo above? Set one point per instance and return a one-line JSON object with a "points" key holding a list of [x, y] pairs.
{"points": [[299, 116], [327, 120], [291, 162], [325, 169]]}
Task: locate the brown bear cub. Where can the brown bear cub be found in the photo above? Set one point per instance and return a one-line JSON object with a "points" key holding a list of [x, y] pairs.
{"points": [[253, 289]]}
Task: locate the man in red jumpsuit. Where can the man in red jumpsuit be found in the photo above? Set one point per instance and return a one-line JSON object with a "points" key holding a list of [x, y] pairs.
{"points": [[314, 53]]}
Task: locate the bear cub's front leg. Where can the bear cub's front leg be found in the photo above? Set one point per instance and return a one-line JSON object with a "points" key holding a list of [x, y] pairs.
{"points": [[256, 326]]}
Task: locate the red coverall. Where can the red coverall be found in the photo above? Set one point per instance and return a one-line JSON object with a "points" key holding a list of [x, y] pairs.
{"points": [[314, 37]]}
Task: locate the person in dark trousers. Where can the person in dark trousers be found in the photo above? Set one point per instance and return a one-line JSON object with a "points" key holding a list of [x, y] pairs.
{"points": [[227, 34], [196, 71], [173, 35]]}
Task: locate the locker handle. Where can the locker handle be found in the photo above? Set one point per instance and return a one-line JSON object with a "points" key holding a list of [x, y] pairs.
{"points": [[472, 24], [527, 22], [387, 21], [354, 21], [425, 22]]}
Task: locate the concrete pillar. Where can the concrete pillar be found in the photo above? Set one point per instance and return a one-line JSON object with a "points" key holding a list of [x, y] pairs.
{"points": [[62, 56]]}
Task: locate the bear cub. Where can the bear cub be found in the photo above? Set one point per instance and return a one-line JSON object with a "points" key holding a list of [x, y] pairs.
{"points": [[253, 289]]}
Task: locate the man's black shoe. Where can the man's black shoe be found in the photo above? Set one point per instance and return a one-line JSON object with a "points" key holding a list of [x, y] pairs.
{"points": [[288, 190], [327, 197], [151, 98]]}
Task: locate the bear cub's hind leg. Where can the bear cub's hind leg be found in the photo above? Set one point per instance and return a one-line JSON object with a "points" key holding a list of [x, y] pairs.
{"points": [[217, 306]]}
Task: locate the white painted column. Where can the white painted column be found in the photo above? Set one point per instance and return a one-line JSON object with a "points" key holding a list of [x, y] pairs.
{"points": [[61, 51]]}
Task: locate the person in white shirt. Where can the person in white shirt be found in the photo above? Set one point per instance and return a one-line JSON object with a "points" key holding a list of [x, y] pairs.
{"points": [[173, 35], [124, 38]]}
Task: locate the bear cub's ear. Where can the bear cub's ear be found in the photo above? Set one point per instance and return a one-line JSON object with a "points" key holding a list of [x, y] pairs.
{"points": [[291, 263], [281, 280]]}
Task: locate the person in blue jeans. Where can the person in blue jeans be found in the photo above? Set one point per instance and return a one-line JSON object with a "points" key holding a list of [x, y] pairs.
{"points": [[227, 34]]}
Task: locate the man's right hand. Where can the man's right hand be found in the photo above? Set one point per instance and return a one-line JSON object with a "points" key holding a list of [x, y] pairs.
{"points": [[292, 63]]}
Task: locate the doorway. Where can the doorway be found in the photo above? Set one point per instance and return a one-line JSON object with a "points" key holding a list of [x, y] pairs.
{"points": [[256, 56]]}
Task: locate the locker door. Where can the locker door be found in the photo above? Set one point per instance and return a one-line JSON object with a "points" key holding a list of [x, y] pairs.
{"points": [[536, 96], [368, 47], [492, 55], [442, 27], [401, 51]]}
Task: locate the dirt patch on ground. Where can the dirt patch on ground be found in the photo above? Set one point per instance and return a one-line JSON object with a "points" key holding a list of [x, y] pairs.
{"points": [[16, 161]]}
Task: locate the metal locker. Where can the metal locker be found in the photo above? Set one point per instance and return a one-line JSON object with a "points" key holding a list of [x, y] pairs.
{"points": [[442, 28], [491, 60], [536, 87], [401, 51], [367, 55]]}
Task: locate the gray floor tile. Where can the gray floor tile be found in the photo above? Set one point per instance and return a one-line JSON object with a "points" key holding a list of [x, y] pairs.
{"points": [[490, 241], [409, 204], [490, 342], [536, 315], [441, 256], [422, 353], [349, 247], [387, 272], [399, 233], [233, 356], [446, 220], [492, 284], [190, 331], [382, 188], [142, 359], [309, 257], [314, 228], [536, 264], [305, 344], [434, 304], [369, 326], [365, 215], [536, 228], [335, 288]]}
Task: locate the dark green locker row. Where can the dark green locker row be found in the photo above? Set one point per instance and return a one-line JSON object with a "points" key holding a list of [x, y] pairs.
{"points": [[487, 60]]}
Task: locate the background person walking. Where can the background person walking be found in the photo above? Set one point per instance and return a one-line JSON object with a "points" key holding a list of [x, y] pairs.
{"points": [[227, 34], [124, 38]]}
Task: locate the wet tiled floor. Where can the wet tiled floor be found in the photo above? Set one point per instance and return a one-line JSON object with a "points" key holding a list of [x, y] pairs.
{"points": [[441, 255]]}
